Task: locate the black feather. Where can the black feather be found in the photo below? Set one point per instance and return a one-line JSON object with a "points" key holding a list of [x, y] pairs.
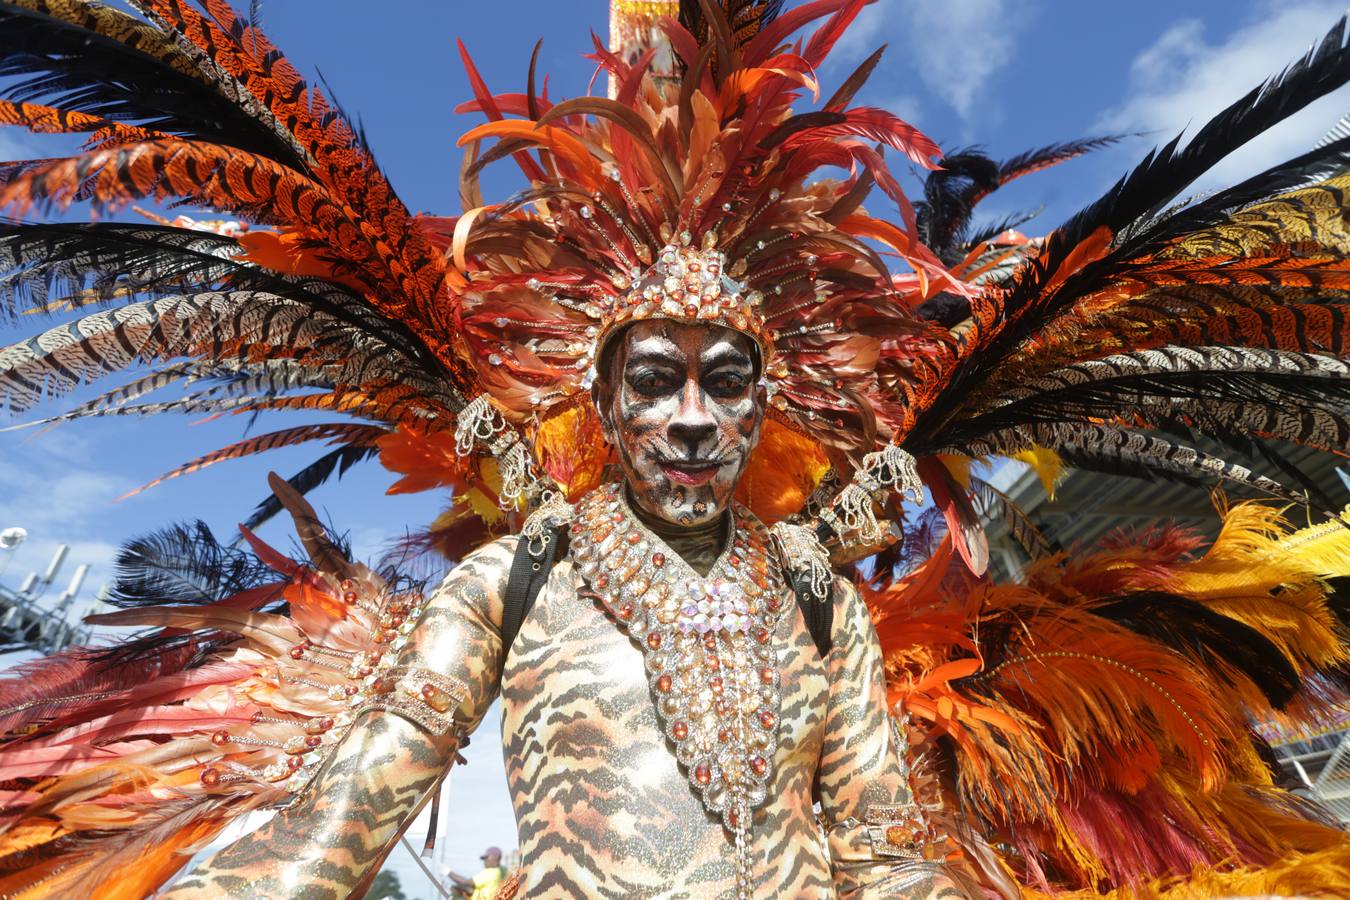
{"points": [[1153, 184], [93, 262], [944, 308], [183, 564], [1338, 601], [990, 230], [1167, 171], [1128, 396], [310, 477], [61, 64], [1318, 163], [1209, 637], [950, 195], [1052, 155], [1089, 460], [102, 259]]}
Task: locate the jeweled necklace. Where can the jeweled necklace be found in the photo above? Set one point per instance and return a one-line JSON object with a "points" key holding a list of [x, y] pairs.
{"points": [[708, 646]]}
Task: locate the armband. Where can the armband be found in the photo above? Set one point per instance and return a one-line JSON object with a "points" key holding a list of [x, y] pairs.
{"points": [[899, 831], [426, 698]]}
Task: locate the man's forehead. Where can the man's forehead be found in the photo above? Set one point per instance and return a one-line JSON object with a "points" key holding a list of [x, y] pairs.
{"points": [[679, 339]]}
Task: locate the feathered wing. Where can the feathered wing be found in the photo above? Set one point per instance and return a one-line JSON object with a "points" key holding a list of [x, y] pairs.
{"points": [[336, 298], [1134, 326], [119, 763], [1096, 719]]}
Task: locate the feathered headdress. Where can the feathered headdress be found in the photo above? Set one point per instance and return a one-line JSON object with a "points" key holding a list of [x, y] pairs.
{"points": [[692, 198]]}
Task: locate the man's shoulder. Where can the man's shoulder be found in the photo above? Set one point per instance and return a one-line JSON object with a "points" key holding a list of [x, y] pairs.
{"points": [[479, 580]]}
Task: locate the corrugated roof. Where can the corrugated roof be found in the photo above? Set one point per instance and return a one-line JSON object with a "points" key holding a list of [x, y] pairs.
{"points": [[1088, 505]]}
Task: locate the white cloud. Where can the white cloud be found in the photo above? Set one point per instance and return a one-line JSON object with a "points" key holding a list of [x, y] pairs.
{"points": [[1185, 77], [955, 46], [58, 499]]}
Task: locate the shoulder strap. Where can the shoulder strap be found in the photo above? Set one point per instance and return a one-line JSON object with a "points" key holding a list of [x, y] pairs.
{"points": [[529, 571], [818, 613]]}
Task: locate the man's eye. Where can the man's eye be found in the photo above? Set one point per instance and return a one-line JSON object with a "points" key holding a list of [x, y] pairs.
{"points": [[649, 383], [727, 384]]}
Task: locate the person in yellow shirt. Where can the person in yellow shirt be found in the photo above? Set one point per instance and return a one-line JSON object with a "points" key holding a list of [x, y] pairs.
{"points": [[484, 885]]}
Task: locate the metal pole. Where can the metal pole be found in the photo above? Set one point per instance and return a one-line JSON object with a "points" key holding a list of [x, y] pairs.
{"points": [[417, 858]]}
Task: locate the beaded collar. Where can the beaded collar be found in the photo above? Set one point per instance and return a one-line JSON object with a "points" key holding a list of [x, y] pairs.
{"points": [[707, 643]]}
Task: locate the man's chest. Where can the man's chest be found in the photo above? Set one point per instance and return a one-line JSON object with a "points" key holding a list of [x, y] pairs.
{"points": [[575, 687]]}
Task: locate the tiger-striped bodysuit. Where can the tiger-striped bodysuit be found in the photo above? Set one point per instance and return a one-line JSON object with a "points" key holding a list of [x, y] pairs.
{"points": [[602, 807]]}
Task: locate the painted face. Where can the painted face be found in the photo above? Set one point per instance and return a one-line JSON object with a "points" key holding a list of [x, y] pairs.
{"points": [[682, 405]]}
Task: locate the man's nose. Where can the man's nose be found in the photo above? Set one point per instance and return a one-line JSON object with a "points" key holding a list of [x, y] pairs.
{"points": [[693, 423]]}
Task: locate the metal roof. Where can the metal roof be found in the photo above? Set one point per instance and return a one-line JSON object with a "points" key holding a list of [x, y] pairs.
{"points": [[1088, 505]]}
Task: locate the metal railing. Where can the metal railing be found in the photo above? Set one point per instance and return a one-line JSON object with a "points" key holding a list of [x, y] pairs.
{"points": [[1325, 774]]}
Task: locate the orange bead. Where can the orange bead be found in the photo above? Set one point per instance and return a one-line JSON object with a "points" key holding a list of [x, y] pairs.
{"points": [[436, 698]]}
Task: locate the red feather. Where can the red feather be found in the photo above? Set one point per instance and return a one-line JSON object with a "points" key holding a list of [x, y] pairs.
{"points": [[781, 28], [875, 125], [490, 109]]}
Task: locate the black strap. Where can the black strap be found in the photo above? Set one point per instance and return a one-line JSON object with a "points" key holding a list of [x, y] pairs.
{"points": [[818, 613], [529, 571]]}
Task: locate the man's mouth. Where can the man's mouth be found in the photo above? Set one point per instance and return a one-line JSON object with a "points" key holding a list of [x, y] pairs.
{"points": [[691, 473]]}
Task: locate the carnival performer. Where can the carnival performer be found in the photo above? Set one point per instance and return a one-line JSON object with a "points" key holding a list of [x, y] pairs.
{"points": [[682, 402]]}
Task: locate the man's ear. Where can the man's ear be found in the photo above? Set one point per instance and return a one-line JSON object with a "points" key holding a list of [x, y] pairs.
{"points": [[761, 410], [601, 396]]}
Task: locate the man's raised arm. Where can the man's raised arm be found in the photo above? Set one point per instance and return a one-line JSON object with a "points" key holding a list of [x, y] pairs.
{"points": [[335, 836]]}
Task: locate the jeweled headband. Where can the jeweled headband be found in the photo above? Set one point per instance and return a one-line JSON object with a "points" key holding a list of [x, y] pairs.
{"points": [[687, 284]]}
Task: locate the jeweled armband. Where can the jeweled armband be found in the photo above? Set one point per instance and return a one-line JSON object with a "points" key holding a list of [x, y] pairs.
{"points": [[899, 831], [422, 696]]}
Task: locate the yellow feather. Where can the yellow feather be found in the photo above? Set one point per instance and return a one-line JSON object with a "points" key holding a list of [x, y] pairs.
{"points": [[1045, 463], [1323, 549]]}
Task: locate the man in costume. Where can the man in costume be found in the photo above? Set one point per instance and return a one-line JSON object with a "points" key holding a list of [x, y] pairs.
{"points": [[760, 723], [681, 399]]}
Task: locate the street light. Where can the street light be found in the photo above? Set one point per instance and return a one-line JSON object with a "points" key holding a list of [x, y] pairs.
{"points": [[10, 539]]}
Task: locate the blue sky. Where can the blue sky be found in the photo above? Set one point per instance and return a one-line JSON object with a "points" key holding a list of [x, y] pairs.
{"points": [[1004, 74]]}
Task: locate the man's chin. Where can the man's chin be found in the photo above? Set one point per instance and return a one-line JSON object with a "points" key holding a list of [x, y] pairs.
{"points": [[682, 506]]}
